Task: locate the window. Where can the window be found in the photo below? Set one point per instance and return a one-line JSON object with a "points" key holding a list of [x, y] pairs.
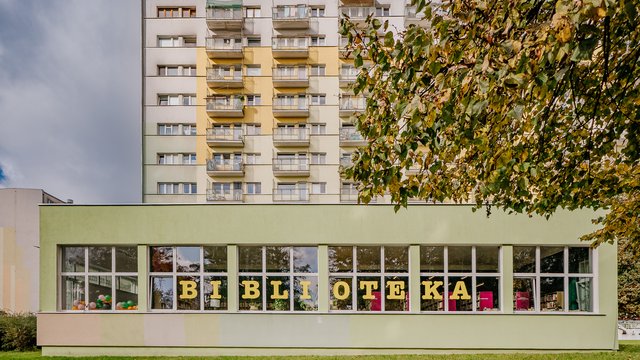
{"points": [[189, 42], [254, 188], [252, 158], [382, 11], [99, 278], [319, 188], [189, 159], [378, 276], [168, 71], [188, 70], [278, 278], [189, 188], [252, 12], [168, 159], [317, 70], [318, 129], [189, 129], [168, 188], [168, 100], [552, 278], [188, 12], [253, 129], [469, 276], [168, 129], [318, 41], [253, 70], [168, 12], [189, 99], [188, 277], [318, 158], [254, 41], [317, 11], [169, 41], [253, 100], [318, 99]]}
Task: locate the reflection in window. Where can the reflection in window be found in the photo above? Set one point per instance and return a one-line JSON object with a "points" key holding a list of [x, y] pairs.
{"points": [[278, 278], [376, 275], [460, 278], [99, 288], [548, 282], [188, 278]]}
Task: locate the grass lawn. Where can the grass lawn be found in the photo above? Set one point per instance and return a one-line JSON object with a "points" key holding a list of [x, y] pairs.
{"points": [[628, 350]]}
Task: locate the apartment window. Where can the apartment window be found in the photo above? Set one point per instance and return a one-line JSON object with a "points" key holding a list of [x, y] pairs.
{"points": [[168, 188], [99, 278], [189, 99], [253, 129], [319, 188], [467, 276], [168, 100], [188, 12], [251, 12], [318, 158], [254, 188], [188, 277], [318, 41], [278, 278], [168, 12], [189, 188], [169, 41], [168, 129], [168, 71], [188, 70], [254, 41], [317, 11], [168, 159], [553, 278], [369, 278], [252, 158], [253, 70], [189, 129], [318, 129], [253, 100], [189, 42], [189, 159], [317, 70], [382, 11], [317, 99]]}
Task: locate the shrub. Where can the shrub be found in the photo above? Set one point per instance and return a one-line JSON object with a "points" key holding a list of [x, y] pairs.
{"points": [[17, 331]]}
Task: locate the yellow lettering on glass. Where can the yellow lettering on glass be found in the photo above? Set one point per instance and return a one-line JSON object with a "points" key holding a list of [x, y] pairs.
{"points": [[215, 292], [431, 290], [251, 289], [396, 290], [341, 290], [305, 289], [368, 286], [188, 289], [276, 290], [460, 292]]}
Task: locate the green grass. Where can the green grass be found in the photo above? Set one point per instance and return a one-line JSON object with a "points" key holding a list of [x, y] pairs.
{"points": [[628, 350]]}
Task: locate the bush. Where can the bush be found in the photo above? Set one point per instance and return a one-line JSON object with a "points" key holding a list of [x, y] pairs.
{"points": [[17, 332]]}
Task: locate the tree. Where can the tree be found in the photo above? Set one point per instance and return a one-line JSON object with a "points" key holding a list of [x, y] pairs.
{"points": [[528, 106], [628, 285]]}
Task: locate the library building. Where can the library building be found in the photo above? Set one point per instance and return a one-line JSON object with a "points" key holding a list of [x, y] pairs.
{"points": [[280, 279]]}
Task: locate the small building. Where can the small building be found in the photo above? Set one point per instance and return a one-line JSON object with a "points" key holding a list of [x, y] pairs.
{"points": [[322, 279]]}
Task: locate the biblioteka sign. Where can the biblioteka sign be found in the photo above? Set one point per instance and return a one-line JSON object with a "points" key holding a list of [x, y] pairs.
{"points": [[341, 290]]}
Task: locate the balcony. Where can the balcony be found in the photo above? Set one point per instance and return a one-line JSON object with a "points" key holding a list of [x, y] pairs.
{"points": [[348, 54], [348, 77], [349, 105], [225, 18], [290, 195], [290, 17], [286, 107], [348, 194], [217, 78], [225, 137], [350, 136], [357, 2], [226, 107], [411, 17], [345, 161], [357, 14], [291, 166], [290, 77], [225, 167], [224, 195], [224, 48], [290, 48], [291, 137]]}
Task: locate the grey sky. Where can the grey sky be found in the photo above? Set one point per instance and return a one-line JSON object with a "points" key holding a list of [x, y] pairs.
{"points": [[70, 98]]}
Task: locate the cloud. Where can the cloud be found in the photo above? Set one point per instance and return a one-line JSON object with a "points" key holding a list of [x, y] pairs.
{"points": [[70, 98]]}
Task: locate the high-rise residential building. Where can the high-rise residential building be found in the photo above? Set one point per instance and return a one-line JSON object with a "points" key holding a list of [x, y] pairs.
{"points": [[249, 101]]}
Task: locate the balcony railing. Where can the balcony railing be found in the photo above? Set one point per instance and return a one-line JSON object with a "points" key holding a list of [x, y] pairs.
{"points": [[357, 13], [286, 136], [224, 78], [290, 17], [297, 47], [351, 136], [224, 48], [346, 161], [220, 18], [293, 195], [349, 105], [348, 76], [291, 166], [296, 77], [224, 195], [225, 137], [287, 107], [229, 107], [225, 167]]}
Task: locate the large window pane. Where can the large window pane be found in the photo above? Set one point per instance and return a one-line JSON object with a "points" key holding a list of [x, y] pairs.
{"points": [[187, 259], [524, 259], [552, 293], [397, 293], [215, 258], [488, 293], [580, 294], [278, 293], [396, 259], [432, 258], [73, 288], [188, 292], [250, 292], [551, 259], [487, 259], [368, 259], [215, 300], [459, 289], [341, 293], [340, 259], [162, 292], [100, 259], [277, 259], [305, 259], [579, 260], [100, 297], [73, 259], [126, 293], [126, 259], [369, 294], [523, 294], [306, 293], [250, 258], [161, 259], [432, 293], [459, 258]]}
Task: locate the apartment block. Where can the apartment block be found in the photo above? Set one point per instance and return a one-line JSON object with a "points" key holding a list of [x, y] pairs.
{"points": [[249, 101]]}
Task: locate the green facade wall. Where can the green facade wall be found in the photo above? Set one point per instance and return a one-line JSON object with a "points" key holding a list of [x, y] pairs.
{"points": [[322, 332]]}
